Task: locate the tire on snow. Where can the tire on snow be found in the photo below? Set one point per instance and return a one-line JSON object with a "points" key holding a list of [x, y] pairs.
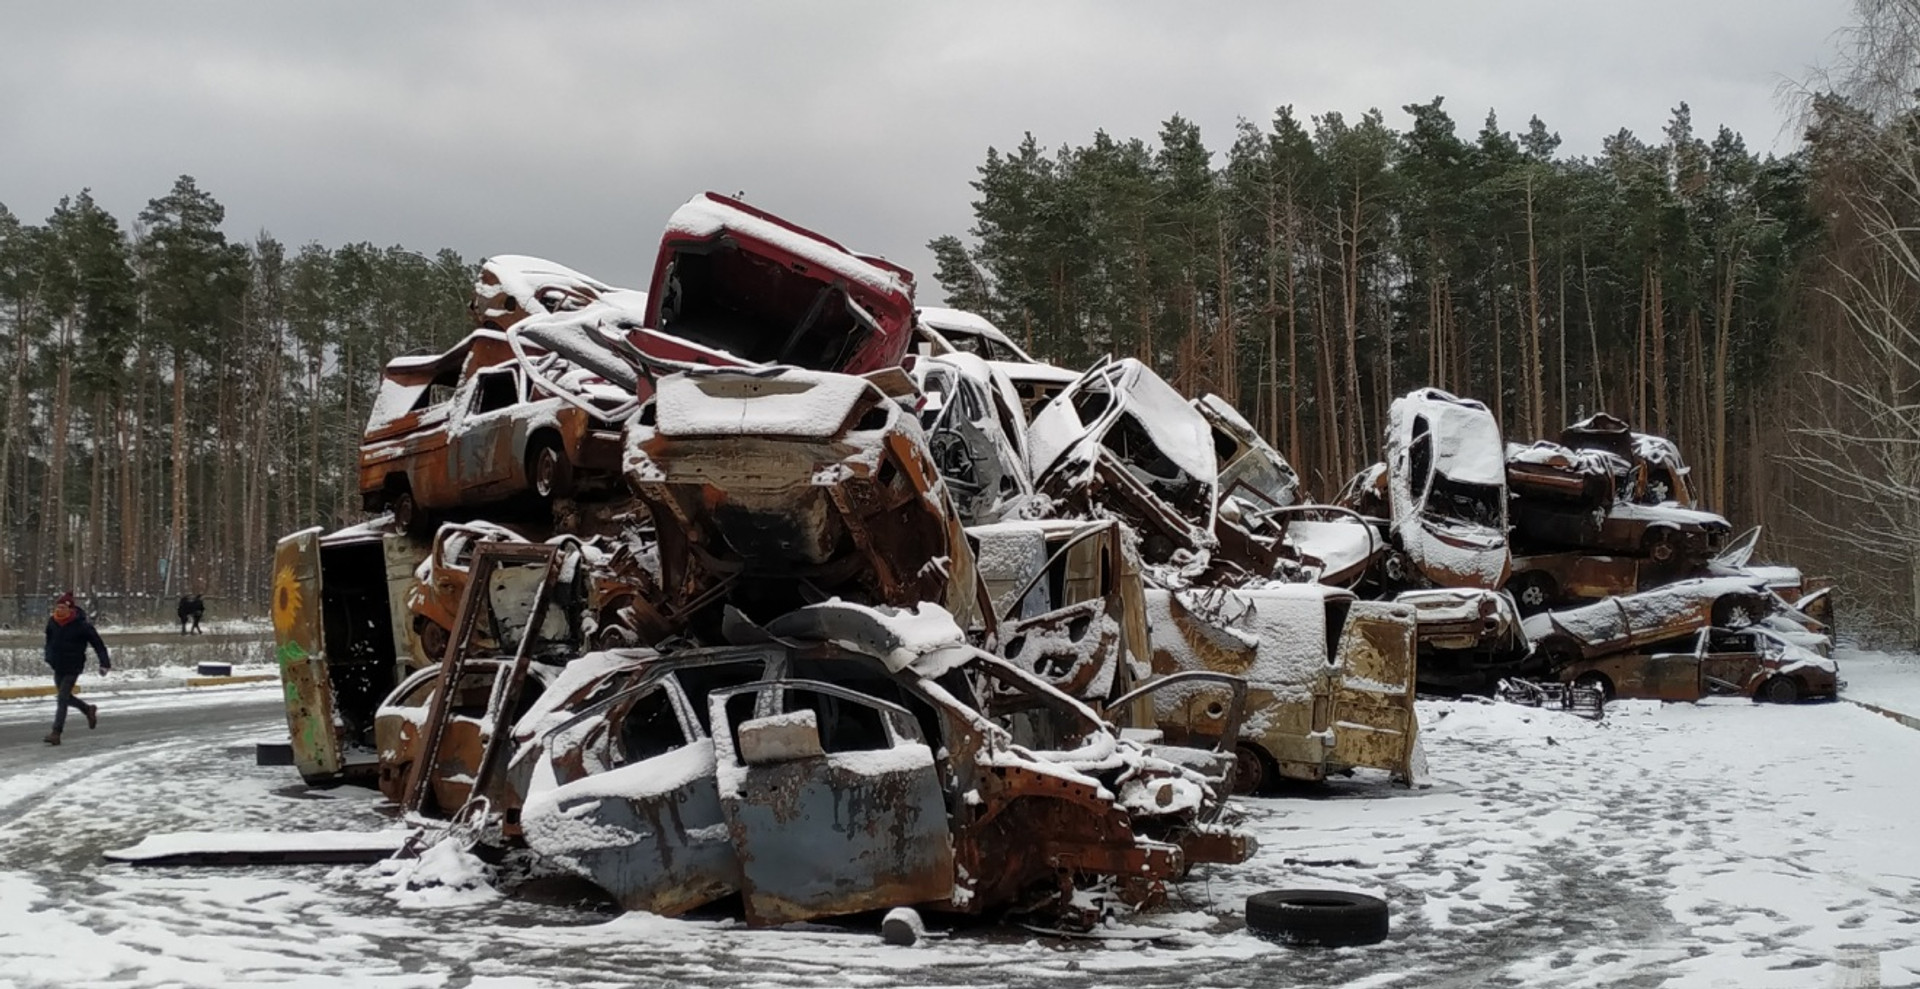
{"points": [[1326, 917]]}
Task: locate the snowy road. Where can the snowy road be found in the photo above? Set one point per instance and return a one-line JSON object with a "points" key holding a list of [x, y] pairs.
{"points": [[1727, 844]]}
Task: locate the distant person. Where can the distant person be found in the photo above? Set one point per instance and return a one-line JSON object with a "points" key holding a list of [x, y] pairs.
{"points": [[191, 608], [69, 633]]}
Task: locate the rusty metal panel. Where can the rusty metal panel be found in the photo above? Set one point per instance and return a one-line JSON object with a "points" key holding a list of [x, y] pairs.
{"points": [[301, 655], [1664, 677], [838, 833], [663, 848], [1373, 716]]}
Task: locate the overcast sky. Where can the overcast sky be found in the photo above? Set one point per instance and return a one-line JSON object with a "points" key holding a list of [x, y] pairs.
{"points": [[571, 131]]}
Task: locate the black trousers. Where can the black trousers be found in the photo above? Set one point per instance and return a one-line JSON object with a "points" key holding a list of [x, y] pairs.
{"points": [[63, 698]]}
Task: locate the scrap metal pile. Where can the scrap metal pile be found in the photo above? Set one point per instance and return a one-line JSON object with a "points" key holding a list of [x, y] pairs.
{"points": [[765, 582]]}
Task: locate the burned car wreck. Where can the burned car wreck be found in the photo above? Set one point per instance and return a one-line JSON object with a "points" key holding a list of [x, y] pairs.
{"points": [[831, 770]]}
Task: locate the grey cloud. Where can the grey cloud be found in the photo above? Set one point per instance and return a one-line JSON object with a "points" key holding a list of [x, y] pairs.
{"points": [[572, 130]]}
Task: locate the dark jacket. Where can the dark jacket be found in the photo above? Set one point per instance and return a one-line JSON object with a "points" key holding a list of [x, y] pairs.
{"points": [[67, 645]]}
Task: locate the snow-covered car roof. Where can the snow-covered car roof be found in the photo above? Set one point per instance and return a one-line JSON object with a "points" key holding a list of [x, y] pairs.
{"points": [[1467, 446], [1178, 431], [949, 322]]}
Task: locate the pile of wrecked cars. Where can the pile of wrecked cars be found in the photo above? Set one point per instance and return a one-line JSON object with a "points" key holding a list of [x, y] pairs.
{"points": [[763, 583]]}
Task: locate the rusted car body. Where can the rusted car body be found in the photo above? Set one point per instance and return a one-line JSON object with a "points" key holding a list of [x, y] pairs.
{"points": [[1249, 468], [1121, 443], [1330, 679], [339, 620], [736, 281], [971, 333], [1753, 662], [1657, 474], [1069, 603], [602, 601], [466, 428], [515, 287], [776, 488], [816, 779], [1469, 638], [1541, 581], [1631, 622], [1678, 538], [976, 434], [401, 721], [1263, 523], [1447, 489], [951, 331], [1550, 471]]}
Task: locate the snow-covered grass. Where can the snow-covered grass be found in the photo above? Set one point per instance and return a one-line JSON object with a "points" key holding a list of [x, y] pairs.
{"points": [[137, 659], [1721, 844]]}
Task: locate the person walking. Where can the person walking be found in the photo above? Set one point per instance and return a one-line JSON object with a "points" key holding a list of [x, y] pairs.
{"points": [[191, 608], [69, 633]]}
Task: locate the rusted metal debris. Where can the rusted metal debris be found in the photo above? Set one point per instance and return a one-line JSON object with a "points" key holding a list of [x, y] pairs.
{"points": [[715, 589]]}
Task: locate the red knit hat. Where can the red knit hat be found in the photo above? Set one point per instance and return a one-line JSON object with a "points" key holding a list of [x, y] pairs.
{"points": [[66, 597]]}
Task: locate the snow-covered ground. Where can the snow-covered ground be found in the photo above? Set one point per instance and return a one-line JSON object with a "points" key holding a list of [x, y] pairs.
{"points": [[1884, 679], [1723, 844]]}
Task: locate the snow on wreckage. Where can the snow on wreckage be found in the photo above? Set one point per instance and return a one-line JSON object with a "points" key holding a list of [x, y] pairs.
{"points": [[763, 587]]}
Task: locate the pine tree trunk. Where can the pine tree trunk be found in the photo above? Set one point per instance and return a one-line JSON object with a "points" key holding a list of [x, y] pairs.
{"points": [[1499, 366], [177, 524], [1722, 340], [1657, 326], [1537, 399], [53, 520]]}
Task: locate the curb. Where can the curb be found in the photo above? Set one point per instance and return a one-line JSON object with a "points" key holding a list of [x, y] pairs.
{"points": [[19, 693], [1907, 720]]}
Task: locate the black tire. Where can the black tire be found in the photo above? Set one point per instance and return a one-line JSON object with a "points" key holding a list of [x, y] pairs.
{"points": [[1660, 545], [1596, 680], [1331, 918], [1779, 690], [548, 473], [405, 513], [1253, 772], [1735, 611], [1533, 591]]}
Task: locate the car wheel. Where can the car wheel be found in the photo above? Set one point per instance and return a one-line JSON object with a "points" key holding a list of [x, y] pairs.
{"points": [[1779, 690], [549, 472], [1252, 772], [405, 513], [1658, 545], [1595, 681], [1320, 917], [433, 639], [1735, 611], [1532, 591]]}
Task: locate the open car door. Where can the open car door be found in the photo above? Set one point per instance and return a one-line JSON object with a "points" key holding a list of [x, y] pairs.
{"points": [[300, 651], [832, 801], [636, 807], [1373, 717]]}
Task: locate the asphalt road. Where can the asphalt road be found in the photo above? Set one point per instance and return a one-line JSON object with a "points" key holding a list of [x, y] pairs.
{"points": [[133, 728]]}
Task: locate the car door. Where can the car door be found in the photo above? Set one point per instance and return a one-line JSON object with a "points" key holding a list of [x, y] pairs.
{"points": [[636, 810], [1729, 660], [1373, 719], [301, 654], [485, 463], [832, 801]]}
